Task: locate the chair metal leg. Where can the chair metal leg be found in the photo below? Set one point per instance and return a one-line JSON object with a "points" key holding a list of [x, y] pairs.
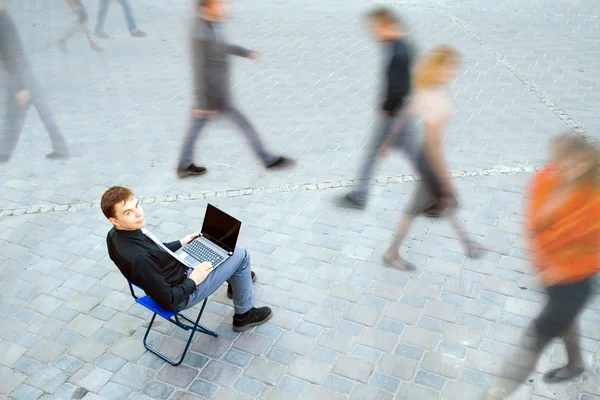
{"points": [[195, 328]]}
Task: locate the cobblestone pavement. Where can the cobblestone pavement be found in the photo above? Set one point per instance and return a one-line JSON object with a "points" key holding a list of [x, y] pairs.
{"points": [[344, 327]]}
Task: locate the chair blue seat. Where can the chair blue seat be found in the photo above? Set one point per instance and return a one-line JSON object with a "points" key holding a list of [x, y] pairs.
{"points": [[153, 306], [174, 318]]}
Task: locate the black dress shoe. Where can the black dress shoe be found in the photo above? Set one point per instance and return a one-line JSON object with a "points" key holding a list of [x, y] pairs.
{"points": [[58, 155], [192, 170], [281, 162], [256, 316]]}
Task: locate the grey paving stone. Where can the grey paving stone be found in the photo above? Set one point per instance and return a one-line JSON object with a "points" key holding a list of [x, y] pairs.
{"points": [[366, 353], [269, 330], [339, 384], [204, 388], [110, 362], [157, 390], [192, 359], [281, 356], [133, 376], [26, 365], [68, 364], [90, 378], [180, 376], [442, 364], [293, 385], [295, 342], [391, 326], [353, 368], [128, 349], [238, 358], [114, 391], [106, 336], [350, 328], [248, 386], [430, 380], [379, 339], [452, 349], [102, 313], [265, 371], [66, 338], [475, 378], [64, 314], [211, 346], [45, 351], [414, 391], [87, 349], [26, 392], [220, 373], [385, 382], [253, 344], [298, 306], [407, 351], [310, 370]]}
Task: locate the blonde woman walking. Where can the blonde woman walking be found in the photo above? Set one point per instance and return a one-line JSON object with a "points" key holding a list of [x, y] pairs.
{"points": [[432, 107]]}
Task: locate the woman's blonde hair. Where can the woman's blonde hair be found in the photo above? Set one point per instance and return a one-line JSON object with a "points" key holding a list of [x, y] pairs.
{"points": [[570, 144], [427, 70]]}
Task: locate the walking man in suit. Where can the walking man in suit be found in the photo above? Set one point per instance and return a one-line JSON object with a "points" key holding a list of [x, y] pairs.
{"points": [[23, 91], [210, 52]]}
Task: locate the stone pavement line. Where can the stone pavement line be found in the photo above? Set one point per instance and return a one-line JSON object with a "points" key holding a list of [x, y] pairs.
{"points": [[560, 113], [44, 209]]}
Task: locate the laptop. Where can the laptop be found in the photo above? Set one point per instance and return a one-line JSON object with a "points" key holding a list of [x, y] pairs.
{"points": [[216, 242]]}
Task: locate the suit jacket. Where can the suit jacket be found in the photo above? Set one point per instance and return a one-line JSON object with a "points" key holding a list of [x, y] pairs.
{"points": [[210, 65]]}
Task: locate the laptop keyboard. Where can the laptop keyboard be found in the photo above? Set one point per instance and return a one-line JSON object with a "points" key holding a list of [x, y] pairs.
{"points": [[202, 252]]}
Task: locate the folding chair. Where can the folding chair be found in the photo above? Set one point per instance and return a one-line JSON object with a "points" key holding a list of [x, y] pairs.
{"points": [[174, 318]]}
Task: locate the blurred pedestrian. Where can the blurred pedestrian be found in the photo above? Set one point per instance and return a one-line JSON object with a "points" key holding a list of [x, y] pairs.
{"points": [[431, 104], [563, 229], [23, 90], [388, 29], [212, 84], [80, 24], [127, 11]]}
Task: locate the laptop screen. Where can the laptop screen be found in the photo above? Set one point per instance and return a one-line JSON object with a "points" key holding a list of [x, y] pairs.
{"points": [[221, 228]]}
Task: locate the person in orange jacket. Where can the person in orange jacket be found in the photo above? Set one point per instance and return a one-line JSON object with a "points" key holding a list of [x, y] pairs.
{"points": [[563, 229]]}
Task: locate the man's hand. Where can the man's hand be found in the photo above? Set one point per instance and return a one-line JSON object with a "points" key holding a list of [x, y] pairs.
{"points": [[22, 97], [200, 273], [203, 113], [188, 239], [255, 56]]}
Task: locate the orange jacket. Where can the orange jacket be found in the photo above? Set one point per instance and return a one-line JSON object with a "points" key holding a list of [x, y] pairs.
{"points": [[565, 243]]}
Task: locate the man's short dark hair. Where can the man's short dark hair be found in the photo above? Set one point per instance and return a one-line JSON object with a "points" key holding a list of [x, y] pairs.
{"points": [[384, 14], [112, 197]]}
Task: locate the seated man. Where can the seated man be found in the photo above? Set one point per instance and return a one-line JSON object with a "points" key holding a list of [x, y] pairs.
{"points": [[169, 282]]}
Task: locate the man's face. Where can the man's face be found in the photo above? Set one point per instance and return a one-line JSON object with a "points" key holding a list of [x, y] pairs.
{"points": [[378, 29], [129, 216], [216, 10]]}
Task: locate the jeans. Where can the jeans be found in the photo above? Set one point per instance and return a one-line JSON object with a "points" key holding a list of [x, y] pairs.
{"points": [[406, 140], [16, 114], [127, 10], [237, 271], [197, 124]]}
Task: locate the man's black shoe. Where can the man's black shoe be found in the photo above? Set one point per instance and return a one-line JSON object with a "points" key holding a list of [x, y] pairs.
{"points": [[351, 202], [281, 162], [230, 290], [55, 155], [256, 316], [192, 170]]}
